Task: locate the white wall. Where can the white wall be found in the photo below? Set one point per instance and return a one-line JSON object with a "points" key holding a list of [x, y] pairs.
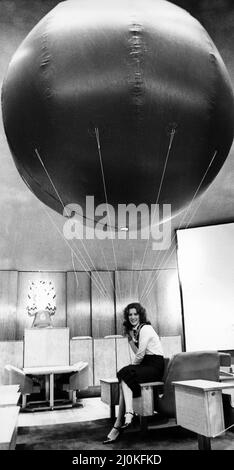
{"points": [[206, 269]]}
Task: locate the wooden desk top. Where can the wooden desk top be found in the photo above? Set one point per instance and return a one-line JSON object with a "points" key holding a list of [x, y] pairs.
{"points": [[205, 385], [9, 388], [44, 370], [9, 395]]}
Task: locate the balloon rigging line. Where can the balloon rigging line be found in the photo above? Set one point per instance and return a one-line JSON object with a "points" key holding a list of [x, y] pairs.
{"points": [[131, 283], [99, 286], [149, 287], [148, 301], [158, 271], [190, 204], [40, 159], [186, 226], [147, 282], [50, 179], [172, 134], [108, 269], [73, 264], [47, 173], [104, 185]]}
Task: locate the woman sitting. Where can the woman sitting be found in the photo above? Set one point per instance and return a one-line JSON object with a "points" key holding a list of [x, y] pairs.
{"points": [[148, 365]]}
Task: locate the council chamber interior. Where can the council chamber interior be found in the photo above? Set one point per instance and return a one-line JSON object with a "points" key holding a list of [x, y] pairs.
{"points": [[100, 86]]}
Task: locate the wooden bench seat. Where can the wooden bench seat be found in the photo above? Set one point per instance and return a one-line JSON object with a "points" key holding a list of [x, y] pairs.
{"points": [[143, 405], [8, 427]]}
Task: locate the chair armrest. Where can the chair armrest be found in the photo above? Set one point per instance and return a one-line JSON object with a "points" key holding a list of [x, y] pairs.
{"points": [[226, 374], [79, 366], [152, 384], [80, 379], [14, 376]]}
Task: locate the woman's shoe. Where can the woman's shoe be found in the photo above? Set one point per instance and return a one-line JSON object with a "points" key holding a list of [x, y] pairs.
{"points": [[109, 440], [128, 420]]}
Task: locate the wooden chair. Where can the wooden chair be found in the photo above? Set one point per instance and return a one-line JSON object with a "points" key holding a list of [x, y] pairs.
{"points": [[78, 380], [14, 376], [158, 398], [199, 372]]}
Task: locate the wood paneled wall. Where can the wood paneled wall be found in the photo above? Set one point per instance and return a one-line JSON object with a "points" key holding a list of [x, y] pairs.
{"points": [[105, 356], [103, 304], [82, 350], [91, 304], [11, 352], [130, 287], [104, 359], [8, 300], [79, 303]]}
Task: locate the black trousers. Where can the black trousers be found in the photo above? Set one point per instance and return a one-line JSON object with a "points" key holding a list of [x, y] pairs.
{"points": [[149, 370]]}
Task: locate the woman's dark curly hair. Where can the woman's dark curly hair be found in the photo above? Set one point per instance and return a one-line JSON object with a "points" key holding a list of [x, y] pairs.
{"points": [[142, 316]]}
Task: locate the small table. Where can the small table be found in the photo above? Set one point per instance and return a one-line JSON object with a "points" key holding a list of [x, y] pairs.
{"points": [[199, 408], [49, 373], [8, 427]]}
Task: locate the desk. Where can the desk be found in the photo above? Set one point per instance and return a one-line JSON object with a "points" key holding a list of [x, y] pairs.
{"points": [[49, 372], [199, 407], [9, 395], [8, 428]]}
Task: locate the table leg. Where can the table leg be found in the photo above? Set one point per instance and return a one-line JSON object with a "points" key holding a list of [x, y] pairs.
{"points": [[144, 423], [74, 397], [232, 398], [52, 390], [47, 387], [203, 442], [24, 400]]}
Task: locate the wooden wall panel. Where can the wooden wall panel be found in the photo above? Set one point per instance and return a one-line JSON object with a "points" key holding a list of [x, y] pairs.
{"points": [[78, 303], [147, 295], [132, 285], [22, 318], [82, 350], [162, 301], [104, 359], [124, 353], [168, 303], [171, 345], [8, 298], [46, 347], [158, 292], [11, 352], [124, 281], [103, 306]]}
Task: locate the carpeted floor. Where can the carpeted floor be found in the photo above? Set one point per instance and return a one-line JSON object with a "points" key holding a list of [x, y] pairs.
{"points": [[90, 434]]}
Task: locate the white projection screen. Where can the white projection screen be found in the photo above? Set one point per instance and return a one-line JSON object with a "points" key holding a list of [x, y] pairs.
{"points": [[206, 270]]}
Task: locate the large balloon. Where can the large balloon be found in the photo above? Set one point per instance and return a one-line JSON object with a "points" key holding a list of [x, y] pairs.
{"points": [[126, 100]]}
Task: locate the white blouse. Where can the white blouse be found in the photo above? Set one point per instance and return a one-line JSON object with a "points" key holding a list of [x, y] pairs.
{"points": [[149, 343]]}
